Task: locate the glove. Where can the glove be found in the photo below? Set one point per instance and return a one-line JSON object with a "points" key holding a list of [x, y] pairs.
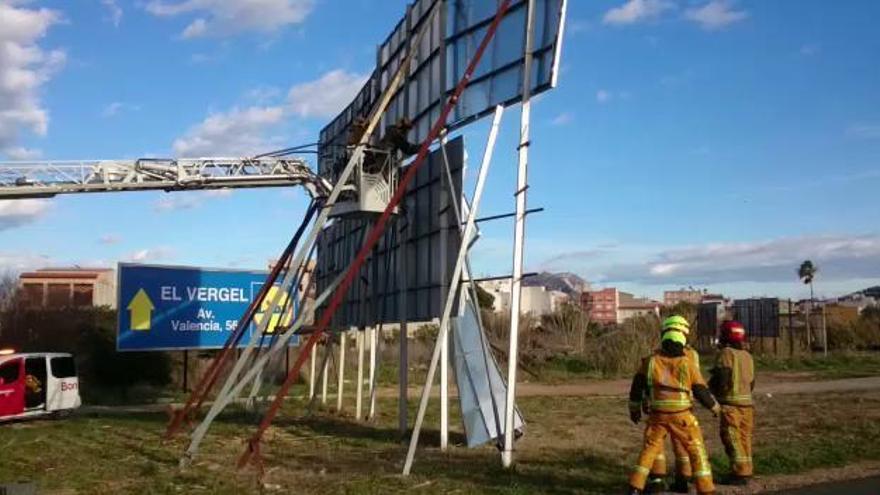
{"points": [[716, 410], [635, 415]]}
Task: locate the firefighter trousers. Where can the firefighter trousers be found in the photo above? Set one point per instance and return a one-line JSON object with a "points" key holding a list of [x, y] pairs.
{"points": [[737, 424], [682, 462], [682, 427]]}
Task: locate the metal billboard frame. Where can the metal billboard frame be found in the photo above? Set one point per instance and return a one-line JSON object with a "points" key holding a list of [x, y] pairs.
{"points": [[426, 227], [441, 61]]}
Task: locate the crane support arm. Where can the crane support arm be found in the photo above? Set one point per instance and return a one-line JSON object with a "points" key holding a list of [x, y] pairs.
{"points": [[40, 179]]}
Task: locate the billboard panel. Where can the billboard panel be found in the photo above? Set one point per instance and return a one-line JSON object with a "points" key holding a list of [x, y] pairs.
{"points": [[440, 62], [428, 230], [181, 308], [760, 316]]}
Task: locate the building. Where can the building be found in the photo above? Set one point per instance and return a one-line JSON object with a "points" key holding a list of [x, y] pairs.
{"points": [[632, 307], [673, 297], [56, 288], [535, 300], [601, 305], [714, 299], [611, 306]]}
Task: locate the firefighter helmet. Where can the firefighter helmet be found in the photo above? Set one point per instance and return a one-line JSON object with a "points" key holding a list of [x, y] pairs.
{"points": [[678, 323], [733, 332]]}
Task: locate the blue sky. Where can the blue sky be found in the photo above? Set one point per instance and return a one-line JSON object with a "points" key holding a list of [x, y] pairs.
{"points": [[691, 142]]}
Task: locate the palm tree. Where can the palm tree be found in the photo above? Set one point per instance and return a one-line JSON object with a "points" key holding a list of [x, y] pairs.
{"points": [[807, 272]]}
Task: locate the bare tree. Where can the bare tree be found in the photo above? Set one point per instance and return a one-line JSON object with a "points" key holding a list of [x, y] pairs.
{"points": [[8, 289]]}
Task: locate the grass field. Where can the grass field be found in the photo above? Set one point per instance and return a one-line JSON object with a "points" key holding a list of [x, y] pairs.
{"points": [[836, 365], [571, 445]]}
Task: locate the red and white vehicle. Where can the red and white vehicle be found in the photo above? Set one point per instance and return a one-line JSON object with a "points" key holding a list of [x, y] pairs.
{"points": [[37, 384]]}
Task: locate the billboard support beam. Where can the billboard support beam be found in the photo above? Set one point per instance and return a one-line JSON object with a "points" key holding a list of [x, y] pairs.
{"points": [[519, 239], [340, 377], [359, 392], [453, 288], [328, 349], [403, 332]]}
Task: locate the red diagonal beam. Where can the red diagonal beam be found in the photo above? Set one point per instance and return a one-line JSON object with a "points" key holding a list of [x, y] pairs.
{"points": [[203, 388], [373, 237]]}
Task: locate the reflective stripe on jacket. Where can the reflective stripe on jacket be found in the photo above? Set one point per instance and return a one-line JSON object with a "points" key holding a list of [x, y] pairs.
{"points": [[742, 368], [669, 381]]}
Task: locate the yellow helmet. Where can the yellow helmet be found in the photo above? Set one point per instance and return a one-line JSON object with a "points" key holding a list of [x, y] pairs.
{"points": [[678, 323], [676, 337]]}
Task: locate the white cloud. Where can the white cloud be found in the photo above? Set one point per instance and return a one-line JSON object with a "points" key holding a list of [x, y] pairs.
{"points": [[247, 131], [22, 153], [716, 14], [238, 132], [839, 257], [115, 108], [865, 131], [110, 239], [634, 11], [188, 200], [150, 254], [232, 17], [563, 118], [326, 96], [17, 261], [14, 213], [24, 68], [603, 96], [114, 12]]}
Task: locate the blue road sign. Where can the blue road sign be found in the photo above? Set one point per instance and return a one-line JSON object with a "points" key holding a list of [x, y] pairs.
{"points": [[180, 308]]}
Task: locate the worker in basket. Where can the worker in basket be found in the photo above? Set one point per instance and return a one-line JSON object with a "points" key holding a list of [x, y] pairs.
{"points": [[663, 387], [683, 469], [732, 381]]}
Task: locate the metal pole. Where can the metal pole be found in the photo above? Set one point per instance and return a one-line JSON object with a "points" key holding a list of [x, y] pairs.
{"points": [[327, 348], [340, 377], [360, 374], [223, 400], [403, 344], [453, 288], [444, 386], [312, 366], [824, 331], [374, 341], [518, 240], [790, 329]]}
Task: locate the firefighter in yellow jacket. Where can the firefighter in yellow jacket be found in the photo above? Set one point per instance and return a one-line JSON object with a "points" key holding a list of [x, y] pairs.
{"points": [[732, 382], [683, 471], [663, 387]]}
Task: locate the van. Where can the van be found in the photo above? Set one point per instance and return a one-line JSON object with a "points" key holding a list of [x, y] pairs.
{"points": [[37, 384]]}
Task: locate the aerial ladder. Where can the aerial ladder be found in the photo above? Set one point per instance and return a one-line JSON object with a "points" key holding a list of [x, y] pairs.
{"points": [[44, 179]]}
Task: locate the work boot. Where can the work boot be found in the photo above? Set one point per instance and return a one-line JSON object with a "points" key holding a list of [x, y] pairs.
{"points": [[655, 485], [634, 491], [738, 480], [680, 485]]}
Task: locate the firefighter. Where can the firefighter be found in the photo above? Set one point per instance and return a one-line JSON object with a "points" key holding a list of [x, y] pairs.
{"points": [[732, 381], [683, 471], [663, 387]]}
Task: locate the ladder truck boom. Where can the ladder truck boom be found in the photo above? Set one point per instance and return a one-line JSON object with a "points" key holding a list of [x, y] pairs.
{"points": [[41, 179]]}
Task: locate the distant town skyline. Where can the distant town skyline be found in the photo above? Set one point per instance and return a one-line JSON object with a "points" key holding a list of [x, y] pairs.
{"points": [[712, 143]]}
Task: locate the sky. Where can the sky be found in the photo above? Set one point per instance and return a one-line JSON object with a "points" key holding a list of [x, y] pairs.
{"points": [[704, 143]]}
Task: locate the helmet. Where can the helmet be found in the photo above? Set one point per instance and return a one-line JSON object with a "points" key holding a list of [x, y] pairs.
{"points": [[678, 323], [733, 332], [677, 337]]}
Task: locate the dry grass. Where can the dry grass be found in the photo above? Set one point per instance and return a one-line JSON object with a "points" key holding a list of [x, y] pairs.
{"points": [[572, 445]]}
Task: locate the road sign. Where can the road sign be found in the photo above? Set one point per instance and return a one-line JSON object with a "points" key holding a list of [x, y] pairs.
{"points": [[179, 308]]}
